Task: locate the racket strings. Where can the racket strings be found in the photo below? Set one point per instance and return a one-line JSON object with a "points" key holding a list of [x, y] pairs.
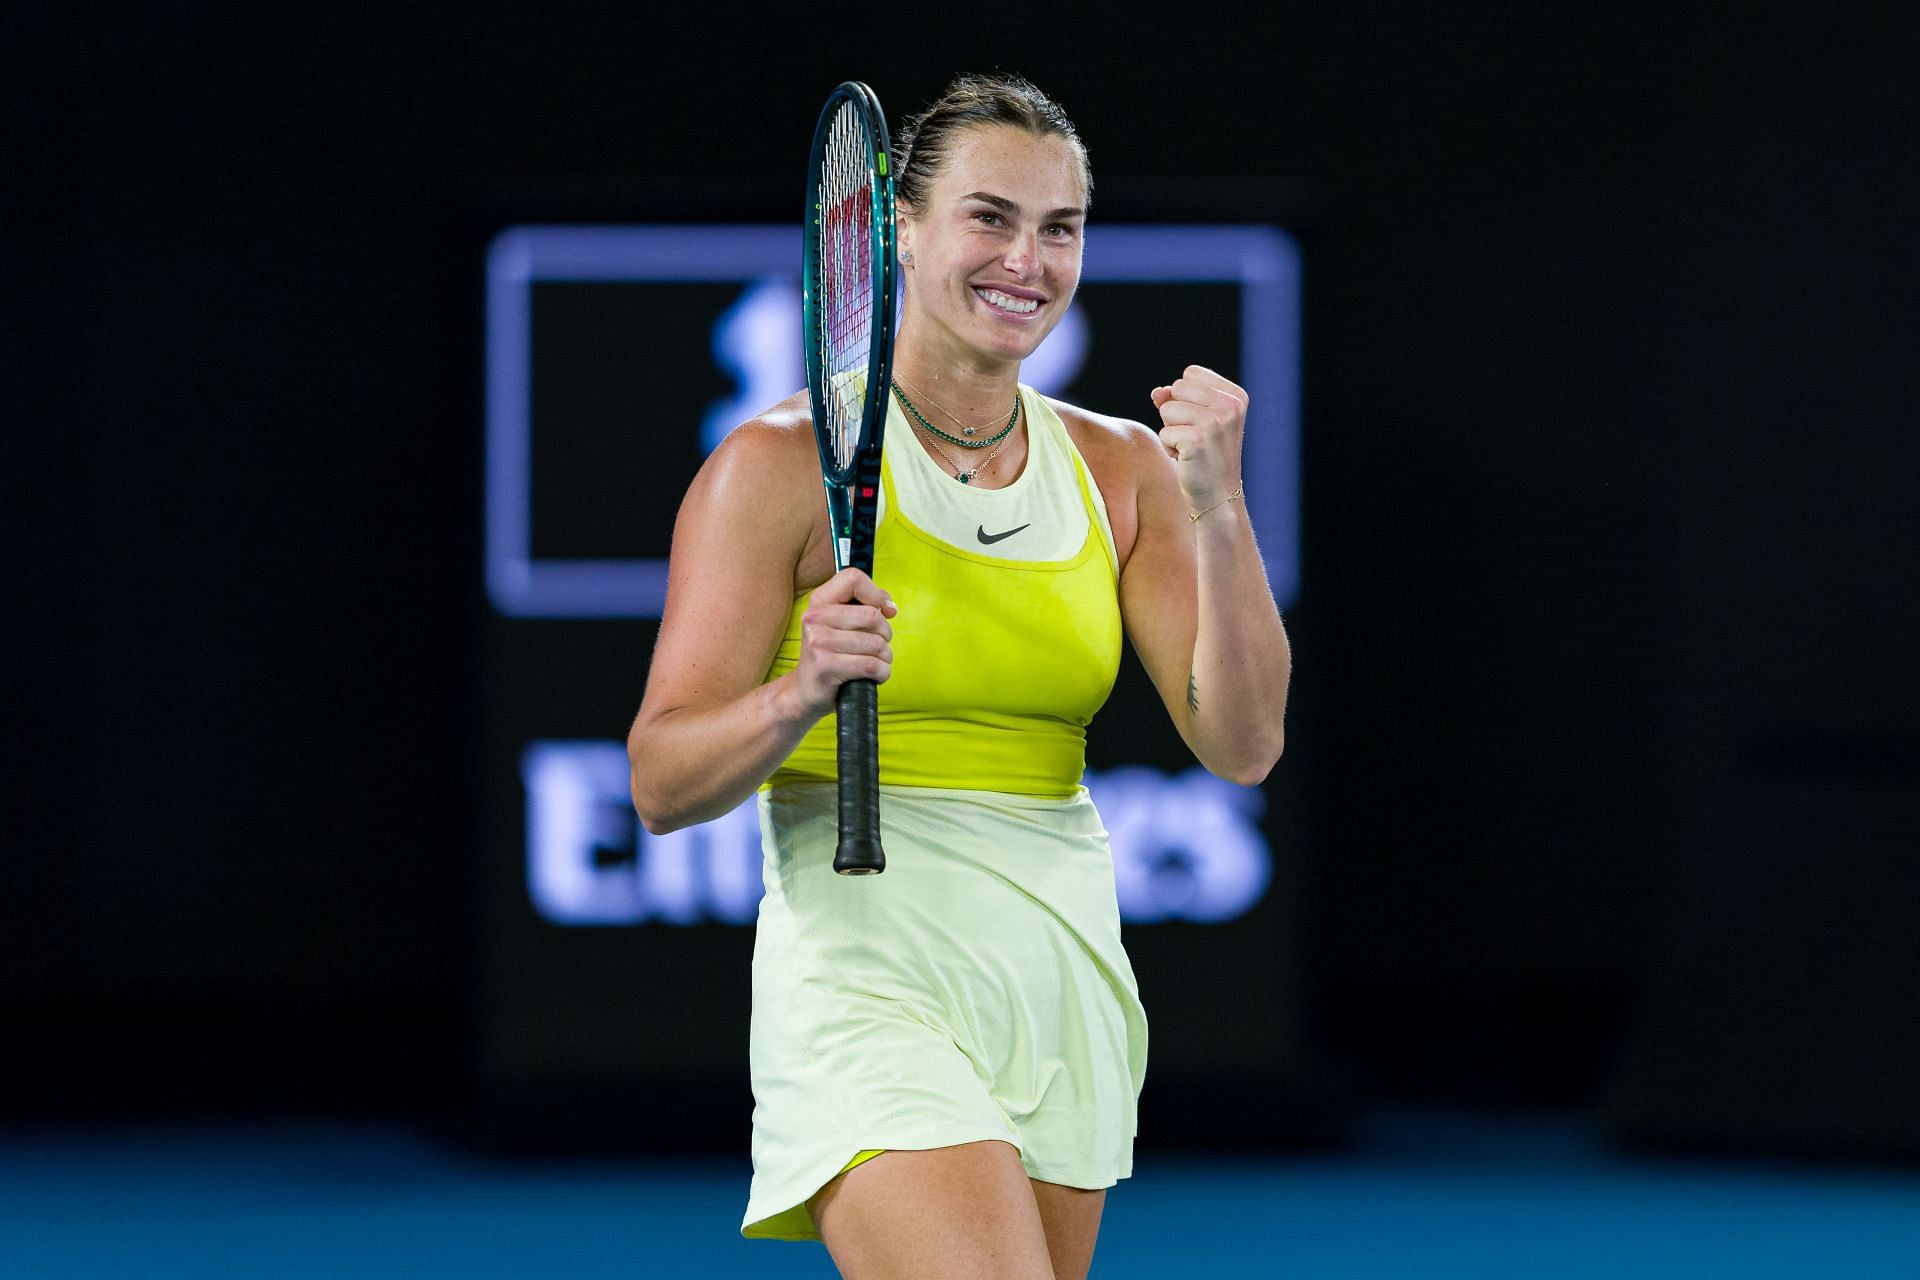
{"points": [[844, 225]]}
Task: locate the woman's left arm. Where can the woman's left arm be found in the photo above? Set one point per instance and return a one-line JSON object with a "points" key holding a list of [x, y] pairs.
{"points": [[1194, 593]]}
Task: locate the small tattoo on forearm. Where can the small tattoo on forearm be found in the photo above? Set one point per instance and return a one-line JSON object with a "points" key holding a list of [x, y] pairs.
{"points": [[1193, 697]]}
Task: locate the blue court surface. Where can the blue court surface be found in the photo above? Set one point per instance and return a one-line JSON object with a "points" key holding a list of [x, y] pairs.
{"points": [[1417, 1195]]}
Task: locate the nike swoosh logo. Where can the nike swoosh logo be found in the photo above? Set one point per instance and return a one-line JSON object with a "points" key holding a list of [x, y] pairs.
{"points": [[988, 539]]}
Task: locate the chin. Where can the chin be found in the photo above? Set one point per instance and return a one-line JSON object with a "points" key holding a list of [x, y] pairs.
{"points": [[1018, 346]]}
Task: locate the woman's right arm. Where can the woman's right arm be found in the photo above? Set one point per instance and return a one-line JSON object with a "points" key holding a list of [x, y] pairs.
{"points": [[709, 731]]}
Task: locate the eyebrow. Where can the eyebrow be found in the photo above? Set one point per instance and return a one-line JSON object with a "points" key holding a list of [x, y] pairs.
{"points": [[1007, 206]]}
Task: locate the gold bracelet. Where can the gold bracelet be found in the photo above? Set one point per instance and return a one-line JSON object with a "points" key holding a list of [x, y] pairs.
{"points": [[1195, 515]]}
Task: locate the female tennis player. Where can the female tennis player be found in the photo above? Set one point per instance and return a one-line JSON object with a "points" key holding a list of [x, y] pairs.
{"points": [[946, 1058]]}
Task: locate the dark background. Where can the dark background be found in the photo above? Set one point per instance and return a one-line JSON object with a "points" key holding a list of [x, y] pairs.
{"points": [[1606, 724]]}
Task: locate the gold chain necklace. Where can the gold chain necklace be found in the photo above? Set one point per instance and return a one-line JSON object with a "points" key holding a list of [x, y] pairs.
{"points": [[966, 477]]}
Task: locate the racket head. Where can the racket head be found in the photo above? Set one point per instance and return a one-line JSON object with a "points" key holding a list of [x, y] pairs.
{"points": [[847, 287]]}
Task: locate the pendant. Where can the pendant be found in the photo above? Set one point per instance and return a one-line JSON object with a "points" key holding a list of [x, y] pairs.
{"points": [[966, 477], [968, 430]]}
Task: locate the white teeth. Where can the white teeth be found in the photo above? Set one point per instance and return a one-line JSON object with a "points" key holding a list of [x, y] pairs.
{"points": [[1019, 306]]}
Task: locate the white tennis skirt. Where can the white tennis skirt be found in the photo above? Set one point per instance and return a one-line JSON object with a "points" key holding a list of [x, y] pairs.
{"points": [[977, 989]]}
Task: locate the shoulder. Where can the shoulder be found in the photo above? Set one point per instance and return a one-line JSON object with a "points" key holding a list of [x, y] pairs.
{"points": [[761, 487], [772, 435], [770, 453], [1119, 446]]}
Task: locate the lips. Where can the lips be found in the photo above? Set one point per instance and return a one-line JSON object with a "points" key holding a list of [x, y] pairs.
{"points": [[1023, 303]]}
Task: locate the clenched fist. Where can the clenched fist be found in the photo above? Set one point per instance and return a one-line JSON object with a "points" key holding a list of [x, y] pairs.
{"points": [[1204, 417]]}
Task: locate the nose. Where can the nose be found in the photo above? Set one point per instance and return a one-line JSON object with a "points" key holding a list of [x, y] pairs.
{"points": [[1023, 254]]}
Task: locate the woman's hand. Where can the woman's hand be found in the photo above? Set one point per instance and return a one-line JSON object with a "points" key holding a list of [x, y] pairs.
{"points": [[1205, 416], [844, 636]]}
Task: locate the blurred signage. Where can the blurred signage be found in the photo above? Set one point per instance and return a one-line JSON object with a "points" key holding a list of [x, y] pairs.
{"points": [[1186, 846]]}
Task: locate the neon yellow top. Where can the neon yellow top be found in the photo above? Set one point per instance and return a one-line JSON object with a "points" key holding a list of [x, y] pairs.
{"points": [[999, 660]]}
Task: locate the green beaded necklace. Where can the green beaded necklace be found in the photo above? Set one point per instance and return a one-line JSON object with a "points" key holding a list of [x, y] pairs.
{"points": [[964, 444]]}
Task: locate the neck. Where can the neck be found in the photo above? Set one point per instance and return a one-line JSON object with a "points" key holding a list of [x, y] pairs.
{"points": [[961, 382]]}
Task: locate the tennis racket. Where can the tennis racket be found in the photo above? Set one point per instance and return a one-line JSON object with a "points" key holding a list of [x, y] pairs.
{"points": [[847, 283]]}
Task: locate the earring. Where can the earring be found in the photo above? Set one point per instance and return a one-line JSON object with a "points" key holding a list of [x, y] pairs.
{"points": [[907, 257]]}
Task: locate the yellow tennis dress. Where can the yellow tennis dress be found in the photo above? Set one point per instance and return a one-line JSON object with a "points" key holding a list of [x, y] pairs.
{"points": [[977, 989]]}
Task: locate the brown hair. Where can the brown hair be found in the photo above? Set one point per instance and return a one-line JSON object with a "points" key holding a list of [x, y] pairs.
{"points": [[969, 102]]}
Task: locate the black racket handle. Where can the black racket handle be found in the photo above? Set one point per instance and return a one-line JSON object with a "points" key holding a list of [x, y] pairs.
{"points": [[857, 730]]}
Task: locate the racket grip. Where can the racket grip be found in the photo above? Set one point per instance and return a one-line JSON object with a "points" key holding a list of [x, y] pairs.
{"points": [[857, 733]]}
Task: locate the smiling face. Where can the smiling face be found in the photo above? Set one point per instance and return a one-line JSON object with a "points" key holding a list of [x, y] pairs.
{"points": [[996, 246]]}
